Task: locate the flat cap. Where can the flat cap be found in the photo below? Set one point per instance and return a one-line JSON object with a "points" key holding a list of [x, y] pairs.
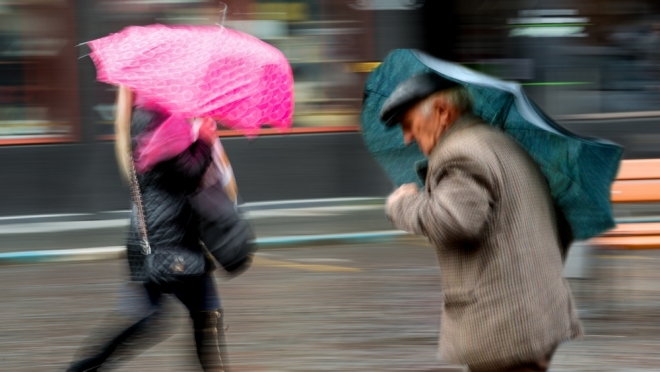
{"points": [[410, 92]]}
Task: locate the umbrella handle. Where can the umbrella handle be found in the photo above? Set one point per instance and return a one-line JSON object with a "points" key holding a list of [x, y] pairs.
{"points": [[222, 13]]}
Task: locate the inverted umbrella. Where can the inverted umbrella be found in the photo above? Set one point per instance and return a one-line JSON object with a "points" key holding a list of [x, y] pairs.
{"points": [[579, 171], [200, 71]]}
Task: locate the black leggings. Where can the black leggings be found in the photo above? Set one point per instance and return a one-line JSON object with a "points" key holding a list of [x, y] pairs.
{"points": [[136, 324]]}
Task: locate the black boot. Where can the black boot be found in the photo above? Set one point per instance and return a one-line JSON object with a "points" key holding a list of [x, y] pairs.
{"points": [[210, 341]]}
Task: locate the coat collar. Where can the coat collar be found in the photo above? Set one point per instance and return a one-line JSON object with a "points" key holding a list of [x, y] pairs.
{"points": [[464, 121]]}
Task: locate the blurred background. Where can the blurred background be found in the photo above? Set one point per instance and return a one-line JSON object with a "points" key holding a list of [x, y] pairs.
{"points": [[592, 65]]}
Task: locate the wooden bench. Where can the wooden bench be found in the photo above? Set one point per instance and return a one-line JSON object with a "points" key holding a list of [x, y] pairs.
{"points": [[638, 181]]}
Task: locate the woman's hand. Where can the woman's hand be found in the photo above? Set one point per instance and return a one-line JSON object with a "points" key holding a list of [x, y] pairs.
{"points": [[231, 189], [207, 131]]}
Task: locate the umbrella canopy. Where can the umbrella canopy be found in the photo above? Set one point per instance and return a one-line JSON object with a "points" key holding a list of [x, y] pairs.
{"points": [[200, 71], [579, 171]]}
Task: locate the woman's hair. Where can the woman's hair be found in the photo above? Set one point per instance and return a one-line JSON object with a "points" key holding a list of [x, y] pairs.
{"points": [[123, 131]]}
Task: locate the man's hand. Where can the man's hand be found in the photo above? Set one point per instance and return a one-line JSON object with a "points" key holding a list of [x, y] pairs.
{"points": [[406, 189]]}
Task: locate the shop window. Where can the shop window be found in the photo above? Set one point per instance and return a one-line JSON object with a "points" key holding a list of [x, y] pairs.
{"points": [[38, 72]]}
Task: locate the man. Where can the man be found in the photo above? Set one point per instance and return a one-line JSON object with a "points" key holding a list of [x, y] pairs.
{"points": [[501, 245]]}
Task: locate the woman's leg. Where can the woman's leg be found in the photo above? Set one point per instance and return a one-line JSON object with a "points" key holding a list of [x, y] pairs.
{"points": [[210, 340], [201, 298], [128, 330]]}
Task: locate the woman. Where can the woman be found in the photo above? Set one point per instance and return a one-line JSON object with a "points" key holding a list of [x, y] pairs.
{"points": [[167, 176]]}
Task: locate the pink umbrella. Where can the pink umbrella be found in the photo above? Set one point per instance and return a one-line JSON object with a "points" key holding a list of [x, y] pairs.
{"points": [[201, 71]]}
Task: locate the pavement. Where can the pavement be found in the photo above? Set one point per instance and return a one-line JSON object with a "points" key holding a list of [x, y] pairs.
{"points": [[336, 299], [367, 307], [270, 220], [290, 221]]}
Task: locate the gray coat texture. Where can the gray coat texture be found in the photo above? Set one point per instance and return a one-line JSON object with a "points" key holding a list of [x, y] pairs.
{"points": [[501, 246]]}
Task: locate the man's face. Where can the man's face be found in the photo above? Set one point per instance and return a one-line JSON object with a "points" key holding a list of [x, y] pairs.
{"points": [[425, 126], [421, 129]]}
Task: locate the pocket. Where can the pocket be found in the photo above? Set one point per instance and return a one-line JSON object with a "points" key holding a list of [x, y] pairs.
{"points": [[459, 297], [461, 274]]}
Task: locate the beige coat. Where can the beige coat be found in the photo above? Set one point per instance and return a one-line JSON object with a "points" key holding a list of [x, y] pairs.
{"points": [[487, 209]]}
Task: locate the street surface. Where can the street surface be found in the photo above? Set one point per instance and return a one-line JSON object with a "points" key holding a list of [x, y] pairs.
{"points": [[20, 236], [365, 307], [268, 223]]}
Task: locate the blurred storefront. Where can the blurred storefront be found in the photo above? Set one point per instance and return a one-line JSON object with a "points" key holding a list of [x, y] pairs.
{"points": [[48, 91], [573, 57], [56, 119], [38, 72], [577, 59], [319, 37]]}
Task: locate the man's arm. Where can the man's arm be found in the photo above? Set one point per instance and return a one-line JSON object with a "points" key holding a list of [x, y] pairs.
{"points": [[458, 208]]}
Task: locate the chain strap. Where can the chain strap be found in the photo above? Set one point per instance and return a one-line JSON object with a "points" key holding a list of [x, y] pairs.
{"points": [[137, 199]]}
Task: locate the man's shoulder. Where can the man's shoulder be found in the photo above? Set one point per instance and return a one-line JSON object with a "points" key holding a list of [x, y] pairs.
{"points": [[472, 138], [478, 129], [477, 142]]}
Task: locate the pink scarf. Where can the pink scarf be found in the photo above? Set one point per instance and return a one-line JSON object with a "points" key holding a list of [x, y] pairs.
{"points": [[172, 137]]}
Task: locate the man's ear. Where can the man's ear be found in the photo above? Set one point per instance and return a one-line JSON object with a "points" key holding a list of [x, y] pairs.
{"points": [[446, 110], [441, 109]]}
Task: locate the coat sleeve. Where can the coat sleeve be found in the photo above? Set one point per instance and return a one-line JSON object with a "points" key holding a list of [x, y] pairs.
{"points": [[457, 209]]}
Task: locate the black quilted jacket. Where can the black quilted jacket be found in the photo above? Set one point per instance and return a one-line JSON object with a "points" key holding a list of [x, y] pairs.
{"points": [[165, 190]]}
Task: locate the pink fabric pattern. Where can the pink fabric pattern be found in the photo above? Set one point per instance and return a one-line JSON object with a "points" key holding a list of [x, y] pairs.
{"points": [[201, 71], [172, 137]]}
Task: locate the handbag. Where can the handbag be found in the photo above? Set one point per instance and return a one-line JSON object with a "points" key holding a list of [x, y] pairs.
{"points": [[226, 234], [164, 266]]}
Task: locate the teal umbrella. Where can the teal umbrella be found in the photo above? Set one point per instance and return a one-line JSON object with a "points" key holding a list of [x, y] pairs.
{"points": [[580, 171]]}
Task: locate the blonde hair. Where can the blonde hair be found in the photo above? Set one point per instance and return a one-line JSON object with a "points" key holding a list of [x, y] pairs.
{"points": [[123, 131], [123, 115], [458, 96]]}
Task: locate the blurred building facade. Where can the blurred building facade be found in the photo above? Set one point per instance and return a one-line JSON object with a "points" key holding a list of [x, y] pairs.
{"points": [[602, 56], [574, 57]]}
